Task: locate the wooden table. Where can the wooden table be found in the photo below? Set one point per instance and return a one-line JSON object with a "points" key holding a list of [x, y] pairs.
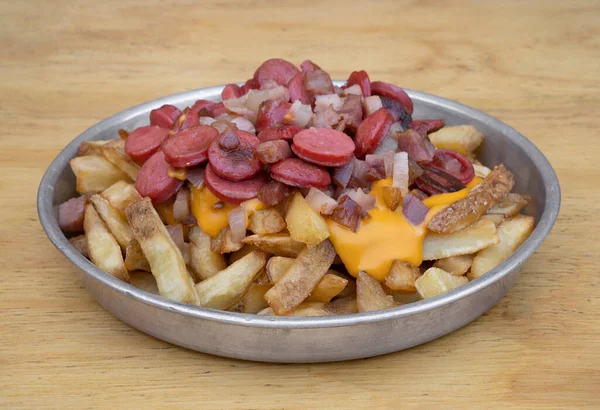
{"points": [[67, 64]]}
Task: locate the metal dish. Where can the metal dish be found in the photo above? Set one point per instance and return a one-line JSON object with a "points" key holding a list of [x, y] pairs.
{"points": [[321, 339]]}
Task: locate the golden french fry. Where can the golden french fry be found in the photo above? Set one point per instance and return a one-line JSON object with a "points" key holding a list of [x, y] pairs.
{"points": [[463, 139], [254, 300], [266, 221], [466, 211], [327, 288], [305, 225], [103, 248], [310, 309], [471, 239], [144, 280], [121, 194], [227, 287], [300, 278], [94, 173], [266, 312], [239, 254], [512, 233], [90, 148], [370, 295], [278, 244], [403, 298], [510, 205], [350, 289], [114, 220], [204, 262], [224, 243], [80, 243], [277, 266], [165, 259], [402, 276], [343, 306], [455, 265], [134, 257], [114, 151], [436, 281], [495, 218]]}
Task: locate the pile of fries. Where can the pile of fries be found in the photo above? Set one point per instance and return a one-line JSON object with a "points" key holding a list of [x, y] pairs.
{"points": [[286, 265]]}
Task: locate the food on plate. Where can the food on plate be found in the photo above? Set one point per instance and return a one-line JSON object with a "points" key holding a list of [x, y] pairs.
{"points": [[294, 197]]}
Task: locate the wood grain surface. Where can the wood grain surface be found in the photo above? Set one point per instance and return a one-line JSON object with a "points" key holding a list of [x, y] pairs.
{"points": [[64, 65]]}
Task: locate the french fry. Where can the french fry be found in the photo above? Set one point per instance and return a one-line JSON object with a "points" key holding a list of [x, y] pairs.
{"points": [[254, 300], [455, 265], [121, 194], [301, 278], [114, 220], [510, 205], [114, 151], [104, 249], [165, 259], [463, 139], [266, 221], [239, 254], [349, 290], [512, 233], [227, 287], [402, 276], [224, 243], [466, 211], [203, 261], [307, 309], [305, 225], [134, 257], [473, 238], [90, 148], [495, 218], [370, 295], [327, 288], [436, 281], [278, 244], [94, 173], [144, 280], [343, 306], [266, 312], [403, 298], [79, 242], [277, 266]]}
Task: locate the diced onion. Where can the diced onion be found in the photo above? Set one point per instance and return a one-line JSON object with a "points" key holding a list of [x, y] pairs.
{"points": [[243, 124], [238, 221], [365, 201], [400, 172], [394, 130], [353, 89], [372, 104], [181, 206], [324, 101], [320, 201], [196, 176], [414, 210], [341, 175], [299, 114], [387, 145], [256, 97], [206, 120]]}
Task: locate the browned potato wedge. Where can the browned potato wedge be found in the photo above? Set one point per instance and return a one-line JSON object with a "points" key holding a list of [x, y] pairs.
{"points": [[461, 138], [94, 173], [510, 205], [144, 280], [114, 220], [266, 221], [277, 266], [227, 287], [266, 312], [512, 233], [370, 294], [495, 218], [436, 281], [254, 300], [310, 309], [466, 211], [277, 244], [402, 276], [455, 265], [301, 278], [305, 225], [392, 196], [239, 254], [80, 243], [224, 243], [343, 306], [90, 148], [203, 261], [165, 259], [121, 194], [103, 248], [473, 238], [327, 288], [134, 257], [114, 151], [403, 298]]}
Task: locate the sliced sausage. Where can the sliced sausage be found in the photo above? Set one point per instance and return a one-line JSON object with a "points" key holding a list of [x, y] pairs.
{"points": [[231, 91], [154, 182], [297, 90], [218, 109], [232, 155], [187, 119], [164, 116], [397, 111], [190, 146], [295, 172], [281, 132], [391, 91], [371, 131], [361, 78], [144, 142], [234, 192], [273, 193], [275, 69], [271, 152], [248, 85], [308, 65], [203, 108], [324, 146], [270, 113], [424, 127], [70, 214]]}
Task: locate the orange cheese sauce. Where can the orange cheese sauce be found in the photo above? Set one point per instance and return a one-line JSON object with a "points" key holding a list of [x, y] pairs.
{"points": [[386, 235]]}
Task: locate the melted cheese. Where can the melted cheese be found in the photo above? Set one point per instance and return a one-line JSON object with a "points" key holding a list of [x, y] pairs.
{"points": [[386, 235]]}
